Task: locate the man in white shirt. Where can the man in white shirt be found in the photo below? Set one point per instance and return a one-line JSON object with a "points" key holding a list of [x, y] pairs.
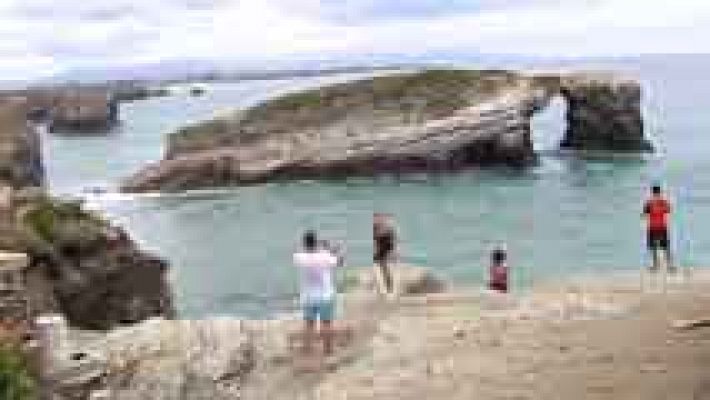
{"points": [[317, 289]]}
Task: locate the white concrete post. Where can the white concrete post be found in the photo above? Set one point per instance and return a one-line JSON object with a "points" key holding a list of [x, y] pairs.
{"points": [[52, 336]]}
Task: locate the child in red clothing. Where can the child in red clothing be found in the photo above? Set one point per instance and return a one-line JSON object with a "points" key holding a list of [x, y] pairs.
{"points": [[498, 273]]}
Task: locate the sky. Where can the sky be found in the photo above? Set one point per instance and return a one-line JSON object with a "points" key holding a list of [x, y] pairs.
{"points": [[39, 38]]}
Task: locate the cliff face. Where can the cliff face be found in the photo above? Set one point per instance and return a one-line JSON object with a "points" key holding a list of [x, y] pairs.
{"points": [[604, 114]]}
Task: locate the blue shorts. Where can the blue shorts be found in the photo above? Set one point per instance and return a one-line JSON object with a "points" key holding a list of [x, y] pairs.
{"points": [[315, 310]]}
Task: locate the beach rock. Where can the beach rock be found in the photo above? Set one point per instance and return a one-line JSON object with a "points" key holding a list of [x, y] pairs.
{"points": [[604, 114], [161, 359], [691, 324], [191, 359], [409, 280]]}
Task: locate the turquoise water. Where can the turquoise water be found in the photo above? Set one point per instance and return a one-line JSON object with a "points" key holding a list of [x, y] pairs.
{"points": [[230, 250]]}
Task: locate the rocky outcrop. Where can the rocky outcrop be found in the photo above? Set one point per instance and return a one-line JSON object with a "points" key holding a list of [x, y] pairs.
{"points": [[603, 113], [86, 269], [80, 109], [225, 358], [429, 121], [20, 147], [134, 92], [496, 131], [84, 110], [160, 359]]}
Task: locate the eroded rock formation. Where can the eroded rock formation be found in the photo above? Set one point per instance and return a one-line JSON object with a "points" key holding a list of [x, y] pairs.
{"points": [[429, 121], [604, 113], [494, 133], [74, 109]]}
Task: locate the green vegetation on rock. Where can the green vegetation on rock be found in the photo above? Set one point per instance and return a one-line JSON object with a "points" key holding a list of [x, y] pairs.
{"points": [[16, 382], [423, 95], [64, 224]]}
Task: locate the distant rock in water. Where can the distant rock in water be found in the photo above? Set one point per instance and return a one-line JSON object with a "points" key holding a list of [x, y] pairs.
{"points": [[197, 91], [74, 109], [96, 190], [434, 120], [133, 92]]}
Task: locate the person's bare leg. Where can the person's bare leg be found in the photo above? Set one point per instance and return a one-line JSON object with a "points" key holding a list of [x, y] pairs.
{"points": [[655, 262], [669, 261], [309, 334], [386, 276], [326, 333]]}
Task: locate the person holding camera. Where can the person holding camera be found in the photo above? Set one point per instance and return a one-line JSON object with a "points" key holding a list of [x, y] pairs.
{"points": [[316, 262]]}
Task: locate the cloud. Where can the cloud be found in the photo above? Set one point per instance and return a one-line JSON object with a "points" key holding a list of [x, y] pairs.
{"points": [[50, 35]]}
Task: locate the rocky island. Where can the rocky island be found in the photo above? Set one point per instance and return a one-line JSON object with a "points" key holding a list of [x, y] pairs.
{"points": [[397, 123]]}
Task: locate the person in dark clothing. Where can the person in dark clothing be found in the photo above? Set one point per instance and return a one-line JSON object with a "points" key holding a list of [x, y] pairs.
{"points": [[384, 238], [656, 210]]}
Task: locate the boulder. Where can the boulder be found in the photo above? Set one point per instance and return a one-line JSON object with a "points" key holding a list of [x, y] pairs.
{"points": [[409, 280]]}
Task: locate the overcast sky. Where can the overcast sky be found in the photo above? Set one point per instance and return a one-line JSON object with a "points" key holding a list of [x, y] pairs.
{"points": [[40, 37]]}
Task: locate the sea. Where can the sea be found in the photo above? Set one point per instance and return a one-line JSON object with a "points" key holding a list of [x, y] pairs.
{"points": [[573, 214]]}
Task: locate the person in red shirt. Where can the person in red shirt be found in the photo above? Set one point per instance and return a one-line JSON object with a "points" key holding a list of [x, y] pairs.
{"points": [[656, 211], [498, 272]]}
